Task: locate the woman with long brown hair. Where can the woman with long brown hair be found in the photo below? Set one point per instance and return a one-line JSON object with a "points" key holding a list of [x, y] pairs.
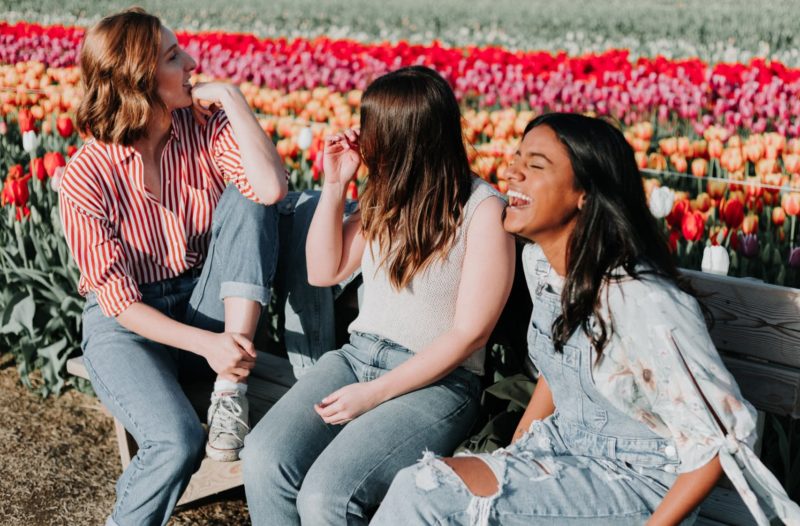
{"points": [[437, 268], [634, 416], [176, 267]]}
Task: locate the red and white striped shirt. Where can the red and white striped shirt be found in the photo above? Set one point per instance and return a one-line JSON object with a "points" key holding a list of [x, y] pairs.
{"points": [[120, 235]]}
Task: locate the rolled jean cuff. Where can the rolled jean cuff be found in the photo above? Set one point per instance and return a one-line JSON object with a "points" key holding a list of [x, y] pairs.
{"points": [[248, 291]]}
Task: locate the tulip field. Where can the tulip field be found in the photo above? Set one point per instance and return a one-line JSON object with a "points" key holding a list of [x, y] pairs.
{"points": [[718, 143]]}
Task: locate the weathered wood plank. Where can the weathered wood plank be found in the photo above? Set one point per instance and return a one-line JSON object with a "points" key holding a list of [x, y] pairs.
{"points": [[726, 507], [213, 477], [769, 387], [76, 367], [752, 318]]}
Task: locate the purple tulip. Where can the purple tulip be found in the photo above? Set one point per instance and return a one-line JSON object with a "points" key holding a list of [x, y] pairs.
{"points": [[748, 245], [794, 258]]}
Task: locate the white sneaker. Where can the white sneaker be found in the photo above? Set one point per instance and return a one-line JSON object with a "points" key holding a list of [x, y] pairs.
{"points": [[228, 423]]}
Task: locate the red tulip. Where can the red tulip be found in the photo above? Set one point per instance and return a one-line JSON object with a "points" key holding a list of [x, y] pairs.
{"points": [[26, 121], [53, 160], [37, 168], [64, 126], [732, 212], [693, 226], [71, 150]]}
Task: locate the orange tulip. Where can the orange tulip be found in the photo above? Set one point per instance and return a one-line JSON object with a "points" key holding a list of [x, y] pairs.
{"points": [[699, 167], [716, 189], [685, 147], [778, 216], [750, 224], [678, 161], [641, 159], [715, 148], [731, 159], [643, 130], [700, 148], [791, 203], [791, 162], [657, 162], [703, 202], [668, 146], [754, 151]]}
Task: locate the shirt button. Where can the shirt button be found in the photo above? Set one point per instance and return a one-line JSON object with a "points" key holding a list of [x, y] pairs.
{"points": [[669, 451], [669, 468]]}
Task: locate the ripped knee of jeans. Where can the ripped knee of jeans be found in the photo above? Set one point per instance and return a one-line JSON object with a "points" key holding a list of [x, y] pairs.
{"points": [[433, 472]]}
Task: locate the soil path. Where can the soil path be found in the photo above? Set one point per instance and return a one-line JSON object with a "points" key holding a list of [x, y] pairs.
{"points": [[59, 463]]}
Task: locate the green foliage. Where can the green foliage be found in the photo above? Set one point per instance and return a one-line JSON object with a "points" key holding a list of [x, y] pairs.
{"points": [[39, 305]]}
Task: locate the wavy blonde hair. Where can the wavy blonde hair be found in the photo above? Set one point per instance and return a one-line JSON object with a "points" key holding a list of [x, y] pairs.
{"points": [[419, 175], [118, 62]]}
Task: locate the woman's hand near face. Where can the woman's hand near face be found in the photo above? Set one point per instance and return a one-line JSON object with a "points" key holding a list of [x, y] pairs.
{"points": [[341, 157], [207, 98]]}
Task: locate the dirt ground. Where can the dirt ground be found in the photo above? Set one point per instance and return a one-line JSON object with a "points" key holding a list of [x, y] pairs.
{"points": [[59, 463]]}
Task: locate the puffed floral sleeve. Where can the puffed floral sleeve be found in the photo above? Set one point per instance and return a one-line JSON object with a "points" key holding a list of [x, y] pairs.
{"points": [[663, 369]]}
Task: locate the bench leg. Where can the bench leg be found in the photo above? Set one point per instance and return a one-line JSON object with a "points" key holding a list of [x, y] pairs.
{"points": [[127, 445]]}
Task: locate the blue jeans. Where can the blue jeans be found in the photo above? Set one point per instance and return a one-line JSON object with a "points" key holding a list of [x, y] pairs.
{"points": [[298, 468], [307, 311], [139, 380], [588, 463]]}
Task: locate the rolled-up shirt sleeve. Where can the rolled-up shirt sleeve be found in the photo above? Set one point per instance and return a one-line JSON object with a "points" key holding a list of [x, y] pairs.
{"points": [[677, 381], [96, 250], [226, 153]]}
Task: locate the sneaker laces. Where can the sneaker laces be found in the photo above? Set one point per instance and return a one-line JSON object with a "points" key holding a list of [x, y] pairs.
{"points": [[226, 413]]}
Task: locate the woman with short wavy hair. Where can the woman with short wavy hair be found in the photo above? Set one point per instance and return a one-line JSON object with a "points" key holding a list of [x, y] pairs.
{"points": [[437, 268], [164, 209]]}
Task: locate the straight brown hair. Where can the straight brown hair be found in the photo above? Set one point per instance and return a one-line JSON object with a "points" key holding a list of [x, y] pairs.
{"points": [[118, 62], [419, 175]]}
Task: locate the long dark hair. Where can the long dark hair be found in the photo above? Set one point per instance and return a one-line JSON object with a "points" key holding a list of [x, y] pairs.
{"points": [[419, 175], [614, 228]]}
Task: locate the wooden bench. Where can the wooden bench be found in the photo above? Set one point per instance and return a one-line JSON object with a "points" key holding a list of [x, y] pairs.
{"points": [[757, 332], [756, 329], [269, 380]]}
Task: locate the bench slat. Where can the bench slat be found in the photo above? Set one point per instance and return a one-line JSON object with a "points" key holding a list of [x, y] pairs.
{"points": [[752, 318], [769, 387], [724, 506]]}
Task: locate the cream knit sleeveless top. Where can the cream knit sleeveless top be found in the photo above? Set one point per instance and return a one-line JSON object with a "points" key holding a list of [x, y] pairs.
{"points": [[414, 316]]}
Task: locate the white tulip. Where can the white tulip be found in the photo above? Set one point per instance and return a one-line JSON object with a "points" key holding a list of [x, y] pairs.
{"points": [[304, 138], [30, 141], [715, 260], [661, 200]]}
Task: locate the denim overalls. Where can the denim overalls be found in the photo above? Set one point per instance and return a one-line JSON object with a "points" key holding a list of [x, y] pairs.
{"points": [[588, 462]]}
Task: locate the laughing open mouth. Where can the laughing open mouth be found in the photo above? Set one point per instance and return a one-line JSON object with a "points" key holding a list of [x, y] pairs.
{"points": [[518, 199]]}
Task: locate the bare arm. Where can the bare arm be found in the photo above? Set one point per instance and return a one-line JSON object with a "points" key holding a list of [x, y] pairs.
{"points": [[490, 252], [263, 167], [686, 494], [231, 355], [333, 250], [541, 406]]}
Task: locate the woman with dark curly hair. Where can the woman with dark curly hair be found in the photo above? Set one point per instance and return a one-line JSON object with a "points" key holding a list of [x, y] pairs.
{"points": [[165, 212]]}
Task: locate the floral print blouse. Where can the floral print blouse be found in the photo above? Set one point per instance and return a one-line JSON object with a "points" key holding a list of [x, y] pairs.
{"points": [[661, 368]]}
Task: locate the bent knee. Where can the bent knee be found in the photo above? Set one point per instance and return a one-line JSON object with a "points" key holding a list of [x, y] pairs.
{"points": [[475, 474]]}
